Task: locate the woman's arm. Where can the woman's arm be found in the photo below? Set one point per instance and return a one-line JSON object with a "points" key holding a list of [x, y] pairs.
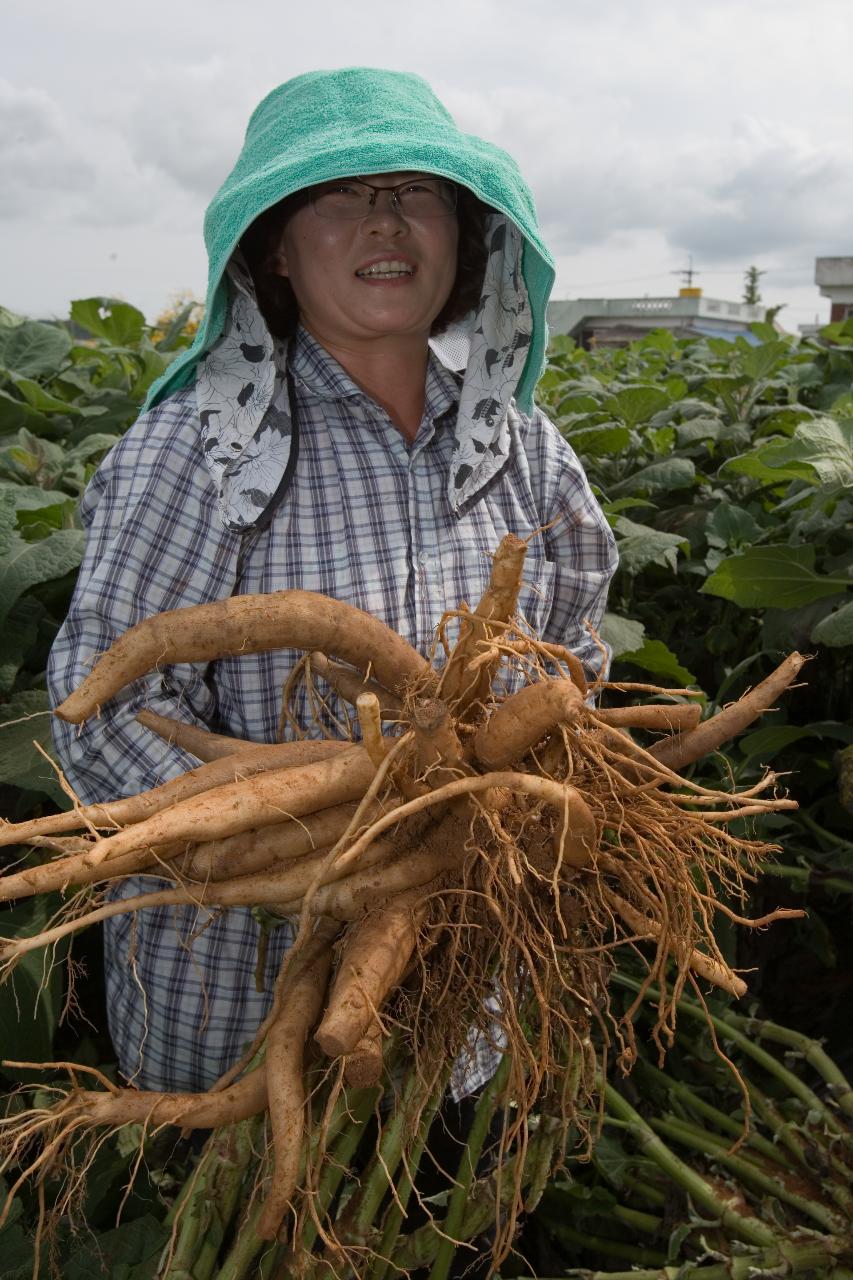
{"points": [[578, 539], [154, 542]]}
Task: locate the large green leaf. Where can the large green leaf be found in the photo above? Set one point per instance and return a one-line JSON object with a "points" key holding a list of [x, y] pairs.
{"points": [[760, 362], [658, 477], [36, 525], [764, 744], [696, 429], [826, 446], [28, 497], [32, 459], [18, 639], [836, 630], [599, 440], [25, 719], [731, 526], [8, 520], [28, 563], [820, 452], [32, 349], [624, 635], [16, 413], [45, 402], [127, 1252], [117, 322], [9, 320], [30, 1003], [633, 405], [776, 576], [655, 657], [640, 545]]}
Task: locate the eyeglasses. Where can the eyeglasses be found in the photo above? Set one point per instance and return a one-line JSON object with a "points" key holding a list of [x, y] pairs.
{"points": [[416, 198]]}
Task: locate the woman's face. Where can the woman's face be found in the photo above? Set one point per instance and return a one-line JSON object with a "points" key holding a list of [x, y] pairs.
{"points": [[332, 264]]}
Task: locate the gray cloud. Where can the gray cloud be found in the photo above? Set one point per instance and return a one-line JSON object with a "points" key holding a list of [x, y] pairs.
{"points": [[40, 158], [185, 121]]}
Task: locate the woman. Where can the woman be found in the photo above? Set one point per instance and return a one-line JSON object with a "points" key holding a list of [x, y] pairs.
{"points": [[355, 417]]}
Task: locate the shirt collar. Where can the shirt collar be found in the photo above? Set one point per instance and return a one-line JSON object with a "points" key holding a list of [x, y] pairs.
{"points": [[319, 372]]}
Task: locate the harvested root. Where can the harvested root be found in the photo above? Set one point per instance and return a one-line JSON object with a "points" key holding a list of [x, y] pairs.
{"points": [[439, 757], [256, 850], [350, 685], [686, 748], [256, 802], [706, 966], [248, 624], [286, 1039], [664, 717], [524, 719], [363, 1067], [376, 953], [207, 746], [461, 687], [501, 876], [370, 723], [247, 763]]}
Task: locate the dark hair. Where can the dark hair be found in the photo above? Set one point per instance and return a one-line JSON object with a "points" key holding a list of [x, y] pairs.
{"points": [[276, 298]]}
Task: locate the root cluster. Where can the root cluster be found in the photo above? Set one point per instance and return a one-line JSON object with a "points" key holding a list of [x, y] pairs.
{"points": [[465, 879]]}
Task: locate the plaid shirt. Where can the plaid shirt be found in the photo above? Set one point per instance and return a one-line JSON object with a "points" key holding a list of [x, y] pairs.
{"points": [[366, 520]]}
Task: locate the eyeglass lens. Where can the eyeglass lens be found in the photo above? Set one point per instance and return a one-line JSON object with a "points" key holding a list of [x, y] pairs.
{"points": [[422, 198]]}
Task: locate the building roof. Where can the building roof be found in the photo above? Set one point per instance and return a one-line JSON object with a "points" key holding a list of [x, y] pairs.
{"points": [[618, 320]]}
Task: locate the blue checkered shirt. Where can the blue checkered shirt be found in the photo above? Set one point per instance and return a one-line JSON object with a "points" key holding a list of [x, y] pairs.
{"points": [[367, 520]]}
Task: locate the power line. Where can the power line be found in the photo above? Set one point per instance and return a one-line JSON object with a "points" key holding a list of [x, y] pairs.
{"points": [[658, 275]]}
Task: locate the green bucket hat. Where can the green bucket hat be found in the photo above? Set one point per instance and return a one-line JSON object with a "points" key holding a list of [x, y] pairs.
{"points": [[360, 120]]}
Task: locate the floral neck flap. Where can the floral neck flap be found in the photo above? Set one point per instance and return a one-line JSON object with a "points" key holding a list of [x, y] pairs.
{"points": [[243, 404]]}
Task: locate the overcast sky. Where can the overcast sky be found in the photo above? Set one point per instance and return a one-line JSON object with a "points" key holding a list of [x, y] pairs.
{"points": [[648, 130]]}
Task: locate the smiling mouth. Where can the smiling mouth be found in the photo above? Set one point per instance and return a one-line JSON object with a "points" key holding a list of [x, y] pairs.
{"points": [[392, 269]]}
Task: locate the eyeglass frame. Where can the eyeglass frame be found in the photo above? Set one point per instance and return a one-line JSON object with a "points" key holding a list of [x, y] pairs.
{"points": [[393, 201]]}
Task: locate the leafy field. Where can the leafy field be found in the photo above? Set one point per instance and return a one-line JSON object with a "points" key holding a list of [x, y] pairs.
{"points": [[726, 471]]}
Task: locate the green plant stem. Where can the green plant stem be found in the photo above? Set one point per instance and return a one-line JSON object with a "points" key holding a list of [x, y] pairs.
{"points": [[554, 1210], [750, 1229], [652, 1195], [486, 1105], [360, 1105], [607, 1248], [549, 1132], [397, 1209], [750, 1174], [811, 1050], [810, 1153], [376, 1180], [420, 1248], [247, 1244], [212, 1201], [679, 1089], [728, 1028], [637, 1219]]}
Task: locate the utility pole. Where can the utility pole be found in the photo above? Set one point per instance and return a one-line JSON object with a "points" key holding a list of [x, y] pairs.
{"points": [[688, 289]]}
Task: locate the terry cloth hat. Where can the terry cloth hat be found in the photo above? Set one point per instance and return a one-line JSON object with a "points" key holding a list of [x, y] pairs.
{"points": [[360, 120]]}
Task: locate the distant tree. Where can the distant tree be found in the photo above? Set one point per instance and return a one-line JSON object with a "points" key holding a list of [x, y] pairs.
{"points": [[751, 291]]}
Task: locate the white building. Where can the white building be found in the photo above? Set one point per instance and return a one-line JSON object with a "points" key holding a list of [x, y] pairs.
{"points": [[614, 322], [834, 278]]}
